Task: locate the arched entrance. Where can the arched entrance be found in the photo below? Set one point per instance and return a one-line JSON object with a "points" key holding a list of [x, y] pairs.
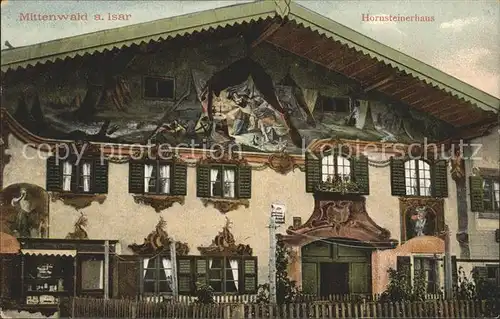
{"points": [[332, 250], [336, 266]]}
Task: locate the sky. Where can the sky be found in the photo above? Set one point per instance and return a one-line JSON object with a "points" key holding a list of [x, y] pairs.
{"points": [[460, 37]]}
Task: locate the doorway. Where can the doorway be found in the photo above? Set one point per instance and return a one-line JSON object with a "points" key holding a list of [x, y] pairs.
{"points": [[334, 279]]}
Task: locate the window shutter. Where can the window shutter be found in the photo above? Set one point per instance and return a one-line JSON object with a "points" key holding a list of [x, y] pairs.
{"points": [[184, 278], [398, 187], [250, 275], [136, 178], [75, 179], [244, 182], [404, 266], [179, 177], [454, 271], [203, 181], [128, 276], [440, 179], [54, 175], [201, 271], [361, 174], [476, 193], [480, 272], [100, 177], [313, 173]]}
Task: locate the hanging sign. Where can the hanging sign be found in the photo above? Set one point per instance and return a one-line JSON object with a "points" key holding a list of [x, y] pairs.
{"points": [[278, 212]]}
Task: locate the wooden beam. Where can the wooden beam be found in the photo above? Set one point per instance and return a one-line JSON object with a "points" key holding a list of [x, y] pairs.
{"points": [[364, 69], [425, 107], [266, 34], [379, 83]]}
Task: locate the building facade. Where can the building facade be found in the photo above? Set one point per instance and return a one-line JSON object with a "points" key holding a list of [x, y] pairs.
{"points": [[112, 155]]}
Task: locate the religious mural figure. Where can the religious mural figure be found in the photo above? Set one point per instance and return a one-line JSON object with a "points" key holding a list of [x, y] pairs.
{"points": [[24, 211], [420, 222]]}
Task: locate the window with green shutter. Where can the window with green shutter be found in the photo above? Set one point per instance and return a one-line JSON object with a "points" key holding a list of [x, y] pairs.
{"points": [[250, 275], [184, 275], [157, 177], [223, 181], [336, 173], [77, 175], [417, 177]]}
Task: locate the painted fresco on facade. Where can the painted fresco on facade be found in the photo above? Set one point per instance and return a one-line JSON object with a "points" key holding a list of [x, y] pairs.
{"points": [[245, 101], [420, 221], [25, 212]]}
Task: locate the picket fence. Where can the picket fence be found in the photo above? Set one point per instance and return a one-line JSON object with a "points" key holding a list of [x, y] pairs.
{"points": [[299, 298], [116, 308]]}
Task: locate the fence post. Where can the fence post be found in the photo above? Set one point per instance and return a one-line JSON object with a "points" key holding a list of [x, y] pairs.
{"points": [[133, 311]]}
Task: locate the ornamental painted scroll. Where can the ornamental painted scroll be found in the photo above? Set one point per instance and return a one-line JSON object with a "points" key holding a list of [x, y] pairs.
{"points": [[281, 163], [158, 241], [421, 217], [341, 216], [225, 245]]}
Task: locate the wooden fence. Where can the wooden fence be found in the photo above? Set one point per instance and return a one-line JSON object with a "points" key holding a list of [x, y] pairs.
{"points": [[115, 308]]}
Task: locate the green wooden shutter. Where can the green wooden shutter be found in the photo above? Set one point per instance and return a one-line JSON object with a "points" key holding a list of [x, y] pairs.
{"points": [[179, 177], [203, 181], [184, 275], [476, 193], [136, 177], [403, 265], [128, 276], [398, 187], [361, 174], [480, 272], [76, 168], [313, 173], [54, 175], [201, 271], [100, 177], [440, 179], [454, 271], [250, 275], [244, 181]]}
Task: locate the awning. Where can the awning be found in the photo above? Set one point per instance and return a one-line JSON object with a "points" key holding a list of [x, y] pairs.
{"points": [[49, 252]]}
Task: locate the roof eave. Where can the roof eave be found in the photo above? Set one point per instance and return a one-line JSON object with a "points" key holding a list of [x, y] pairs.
{"points": [[393, 58]]}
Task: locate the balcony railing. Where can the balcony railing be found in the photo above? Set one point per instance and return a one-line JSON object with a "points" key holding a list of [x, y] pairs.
{"points": [[336, 183]]}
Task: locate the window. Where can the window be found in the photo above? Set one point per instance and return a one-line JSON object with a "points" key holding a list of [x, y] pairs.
{"points": [[157, 177], [491, 194], [158, 87], [485, 193], [224, 181], [228, 275], [336, 173], [426, 267], [340, 105], [418, 178], [92, 272], [88, 175], [335, 166], [156, 276]]}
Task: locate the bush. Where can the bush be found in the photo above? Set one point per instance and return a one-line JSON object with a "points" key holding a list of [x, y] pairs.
{"points": [[204, 294], [286, 289], [400, 287]]}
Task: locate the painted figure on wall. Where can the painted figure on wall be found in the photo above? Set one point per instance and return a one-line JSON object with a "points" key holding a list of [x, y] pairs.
{"points": [[24, 211], [420, 222]]}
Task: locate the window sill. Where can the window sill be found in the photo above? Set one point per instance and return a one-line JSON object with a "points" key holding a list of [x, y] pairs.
{"points": [[225, 205], [78, 200], [158, 202], [489, 215]]}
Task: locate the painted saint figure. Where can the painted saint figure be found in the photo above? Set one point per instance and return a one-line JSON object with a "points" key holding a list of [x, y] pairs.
{"points": [[23, 207], [422, 224]]}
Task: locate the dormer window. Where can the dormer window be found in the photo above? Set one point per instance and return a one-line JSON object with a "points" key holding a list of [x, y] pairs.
{"points": [[418, 177]]}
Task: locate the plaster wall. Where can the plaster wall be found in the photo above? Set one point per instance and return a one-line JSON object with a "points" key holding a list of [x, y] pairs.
{"points": [[119, 217], [481, 230]]}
